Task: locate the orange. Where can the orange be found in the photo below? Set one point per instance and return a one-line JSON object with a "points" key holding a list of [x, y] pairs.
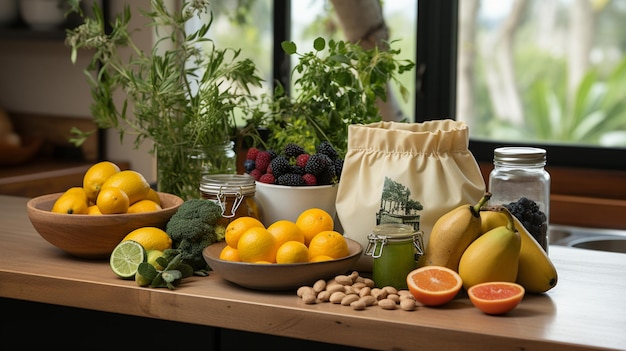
{"points": [[292, 252], [257, 244], [229, 254], [96, 175], [328, 243], [237, 227], [284, 231], [313, 221], [151, 238], [496, 297], [152, 195], [93, 210], [112, 200], [132, 182], [434, 285], [72, 201], [143, 206]]}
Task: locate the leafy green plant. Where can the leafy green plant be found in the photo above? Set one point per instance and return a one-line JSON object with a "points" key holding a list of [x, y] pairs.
{"points": [[333, 90], [180, 96]]}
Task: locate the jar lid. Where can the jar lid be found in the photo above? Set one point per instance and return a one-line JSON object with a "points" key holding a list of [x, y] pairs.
{"points": [[519, 155], [393, 231], [228, 184]]}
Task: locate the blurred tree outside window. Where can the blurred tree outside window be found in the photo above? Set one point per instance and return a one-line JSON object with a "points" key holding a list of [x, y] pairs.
{"points": [[543, 71]]}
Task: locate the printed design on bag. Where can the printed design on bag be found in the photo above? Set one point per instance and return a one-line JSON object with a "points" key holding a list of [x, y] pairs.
{"points": [[397, 206]]}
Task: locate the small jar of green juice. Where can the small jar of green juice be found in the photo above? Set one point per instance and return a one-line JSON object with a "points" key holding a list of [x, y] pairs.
{"points": [[395, 249]]}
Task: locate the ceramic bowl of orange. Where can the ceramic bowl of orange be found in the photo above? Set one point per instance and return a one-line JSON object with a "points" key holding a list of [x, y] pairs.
{"points": [[93, 236], [279, 277]]}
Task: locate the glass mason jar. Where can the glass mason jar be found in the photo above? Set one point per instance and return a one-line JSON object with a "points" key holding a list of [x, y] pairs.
{"points": [[519, 173], [233, 192], [395, 248]]}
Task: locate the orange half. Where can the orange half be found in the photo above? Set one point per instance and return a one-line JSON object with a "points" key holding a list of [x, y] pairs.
{"points": [[496, 297], [434, 285]]}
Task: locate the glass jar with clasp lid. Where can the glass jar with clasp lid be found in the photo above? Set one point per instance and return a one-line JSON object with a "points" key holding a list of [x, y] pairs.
{"points": [[395, 249], [233, 192]]}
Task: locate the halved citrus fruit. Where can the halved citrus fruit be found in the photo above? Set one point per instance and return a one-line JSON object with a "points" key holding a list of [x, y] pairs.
{"points": [[434, 285], [496, 297]]}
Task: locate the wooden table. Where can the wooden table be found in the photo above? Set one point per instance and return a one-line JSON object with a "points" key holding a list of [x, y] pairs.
{"points": [[585, 311]]}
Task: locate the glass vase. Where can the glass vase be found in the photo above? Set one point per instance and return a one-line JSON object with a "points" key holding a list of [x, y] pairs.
{"points": [[180, 169]]}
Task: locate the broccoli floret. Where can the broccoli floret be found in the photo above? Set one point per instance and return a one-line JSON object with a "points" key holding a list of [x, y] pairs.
{"points": [[194, 227]]}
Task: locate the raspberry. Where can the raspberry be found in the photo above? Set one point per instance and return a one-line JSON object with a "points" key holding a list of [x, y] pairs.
{"points": [[267, 178], [280, 165], [263, 160], [252, 153], [293, 150], [290, 179], [256, 174], [309, 179], [302, 159]]}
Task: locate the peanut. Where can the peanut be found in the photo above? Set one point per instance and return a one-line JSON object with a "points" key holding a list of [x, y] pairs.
{"points": [[358, 305], [336, 297], [343, 280], [407, 304], [319, 285], [348, 299], [387, 304], [309, 298], [304, 289], [334, 287], [323, 296], [366, 291]]}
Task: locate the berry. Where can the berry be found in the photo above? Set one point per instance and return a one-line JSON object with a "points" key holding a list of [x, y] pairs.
{"points": [[534, 220], [249, 165], [302, 159], [263, 160], [338, 167], [290, 179], [327, 176], [252, 153], [309, 179], [256, 174], [293, 150], [267, 178], [280, 165], [317, 164], [326, 148]]}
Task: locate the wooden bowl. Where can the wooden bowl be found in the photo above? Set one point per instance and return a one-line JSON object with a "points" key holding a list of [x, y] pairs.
{"points": [[93, 236], [279, 276]]}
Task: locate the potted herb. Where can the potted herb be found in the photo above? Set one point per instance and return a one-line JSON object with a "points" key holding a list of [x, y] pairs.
{"points": [[182, 96], [334, 89]]}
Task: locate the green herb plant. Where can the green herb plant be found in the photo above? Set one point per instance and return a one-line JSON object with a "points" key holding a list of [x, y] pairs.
{"points": [[333, 89], [180, 96]]}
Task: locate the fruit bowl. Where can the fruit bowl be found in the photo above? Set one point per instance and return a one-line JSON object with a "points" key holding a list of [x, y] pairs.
{"points": [[93, 236], [279, 277]]}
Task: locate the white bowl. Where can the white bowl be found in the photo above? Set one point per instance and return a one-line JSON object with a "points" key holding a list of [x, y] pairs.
{"points": [[278, 202], [43, 14]]}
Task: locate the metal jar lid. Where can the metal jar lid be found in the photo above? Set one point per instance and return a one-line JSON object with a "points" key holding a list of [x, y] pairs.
{"points": [[393, 233], [228, 184], [519, 155]]}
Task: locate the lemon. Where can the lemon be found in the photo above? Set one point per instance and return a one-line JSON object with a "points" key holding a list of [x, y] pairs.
{"points": [[95, 176], [292, 252], [328, 243], [152, 256], [72, 201], [257, 244], [313, 221], [112, 200], [151, 238], [153, 196], [126, 257], [229, 254], [284, 231], [93, 210], [237, 227], [143, 206], [131, 182]]}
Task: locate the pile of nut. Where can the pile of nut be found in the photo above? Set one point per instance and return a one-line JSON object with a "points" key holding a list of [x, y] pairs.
{"points": [[357, 292]]}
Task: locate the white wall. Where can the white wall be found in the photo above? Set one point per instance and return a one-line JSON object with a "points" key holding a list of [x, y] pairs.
{"points": [[37, 76]]}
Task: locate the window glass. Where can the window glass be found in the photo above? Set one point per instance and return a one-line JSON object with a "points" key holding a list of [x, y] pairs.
{"points": [[543, 71]]}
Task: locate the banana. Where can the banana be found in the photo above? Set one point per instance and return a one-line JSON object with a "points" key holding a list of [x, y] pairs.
{"points": [[536, 272], [451, 234], [494, 256]]}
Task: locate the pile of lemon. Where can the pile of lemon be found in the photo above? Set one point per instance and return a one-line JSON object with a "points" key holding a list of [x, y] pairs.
{"points": [[107, 189], [310, 238]]}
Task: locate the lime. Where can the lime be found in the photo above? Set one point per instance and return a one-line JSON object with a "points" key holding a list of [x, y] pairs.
{"points": [[126, 257]]}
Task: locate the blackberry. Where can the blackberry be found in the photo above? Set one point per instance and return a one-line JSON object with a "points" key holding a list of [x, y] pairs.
{"points": [[293, 150], [280, 165], [326, 148], [327, 177], [290, 179], [249, 165], [338, 168], [318, 163], [533, 219]]}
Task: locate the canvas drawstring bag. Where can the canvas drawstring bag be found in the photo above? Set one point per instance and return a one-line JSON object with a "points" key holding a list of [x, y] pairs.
{"points": [[410, 173]]}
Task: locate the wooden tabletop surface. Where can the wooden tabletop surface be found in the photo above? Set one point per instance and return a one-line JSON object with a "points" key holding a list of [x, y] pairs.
{"points": [[585, 311]]}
